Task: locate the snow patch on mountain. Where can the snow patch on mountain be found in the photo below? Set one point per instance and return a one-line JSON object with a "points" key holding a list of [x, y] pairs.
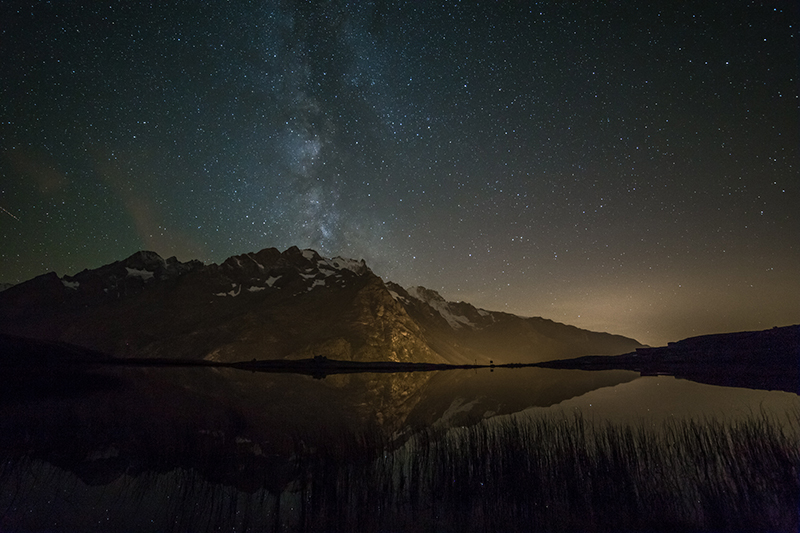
{"points": [[317, 283], [235, 291], [397, 297], [71, 284], [433, 299], [136, 273], [341, 263], [333, 266]]}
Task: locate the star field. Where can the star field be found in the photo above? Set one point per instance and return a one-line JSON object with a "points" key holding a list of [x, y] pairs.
{"points": [[622, 167]]}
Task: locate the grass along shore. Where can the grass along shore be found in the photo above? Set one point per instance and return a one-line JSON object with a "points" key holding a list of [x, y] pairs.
{"points": [[566, 474], [515, 473]]}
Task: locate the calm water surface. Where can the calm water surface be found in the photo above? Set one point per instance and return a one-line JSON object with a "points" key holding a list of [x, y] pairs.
{"points": [[205, 449]]}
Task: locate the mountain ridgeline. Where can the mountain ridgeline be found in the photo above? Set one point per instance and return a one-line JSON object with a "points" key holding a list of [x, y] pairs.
{"points": [[278, 305]]}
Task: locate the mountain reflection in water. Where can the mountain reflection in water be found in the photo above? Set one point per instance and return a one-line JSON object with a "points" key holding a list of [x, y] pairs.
{"points": [[202, 448]]}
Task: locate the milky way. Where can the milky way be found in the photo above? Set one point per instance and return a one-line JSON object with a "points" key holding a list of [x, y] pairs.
{"points": [[621, 167]]}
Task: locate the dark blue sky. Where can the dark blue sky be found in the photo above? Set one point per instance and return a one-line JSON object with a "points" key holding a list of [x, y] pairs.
{"points": [[621, 167]]}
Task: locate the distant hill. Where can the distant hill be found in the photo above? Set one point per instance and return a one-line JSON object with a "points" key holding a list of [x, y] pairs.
{"points": [[277, 305], [768, 359]]}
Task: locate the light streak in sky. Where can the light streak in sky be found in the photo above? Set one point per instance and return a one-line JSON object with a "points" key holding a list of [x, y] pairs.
{"points": [[9, 213]]}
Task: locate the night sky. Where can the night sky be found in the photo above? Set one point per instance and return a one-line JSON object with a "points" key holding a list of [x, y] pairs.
{"points": [[618, 166]]}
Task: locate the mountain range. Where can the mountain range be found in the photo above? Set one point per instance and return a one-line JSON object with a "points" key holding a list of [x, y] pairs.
{"points": [[278, 305]]}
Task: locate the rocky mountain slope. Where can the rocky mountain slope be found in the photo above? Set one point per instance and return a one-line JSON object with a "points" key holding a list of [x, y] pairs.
{"points": [[271, 305]]}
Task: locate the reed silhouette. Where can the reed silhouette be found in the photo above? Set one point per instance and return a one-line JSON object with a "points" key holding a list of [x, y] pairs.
{"points": [[565, 474], [512, 473]]}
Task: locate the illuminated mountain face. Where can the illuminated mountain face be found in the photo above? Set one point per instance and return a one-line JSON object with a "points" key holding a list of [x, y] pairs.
{"points": [[274, 305]]}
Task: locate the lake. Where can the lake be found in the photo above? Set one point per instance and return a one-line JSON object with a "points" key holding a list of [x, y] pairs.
{"points": [[207, 449]]}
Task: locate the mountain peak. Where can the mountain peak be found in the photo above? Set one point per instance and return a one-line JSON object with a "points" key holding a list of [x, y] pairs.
{"points": [[271, 304], [145, 258], [269, 268]]}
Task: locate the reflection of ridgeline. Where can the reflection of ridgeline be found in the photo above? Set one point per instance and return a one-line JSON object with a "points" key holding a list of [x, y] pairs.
{"points": [[768, 359], [238, 428], [106, 422], [267, 451], [549, 474]]}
